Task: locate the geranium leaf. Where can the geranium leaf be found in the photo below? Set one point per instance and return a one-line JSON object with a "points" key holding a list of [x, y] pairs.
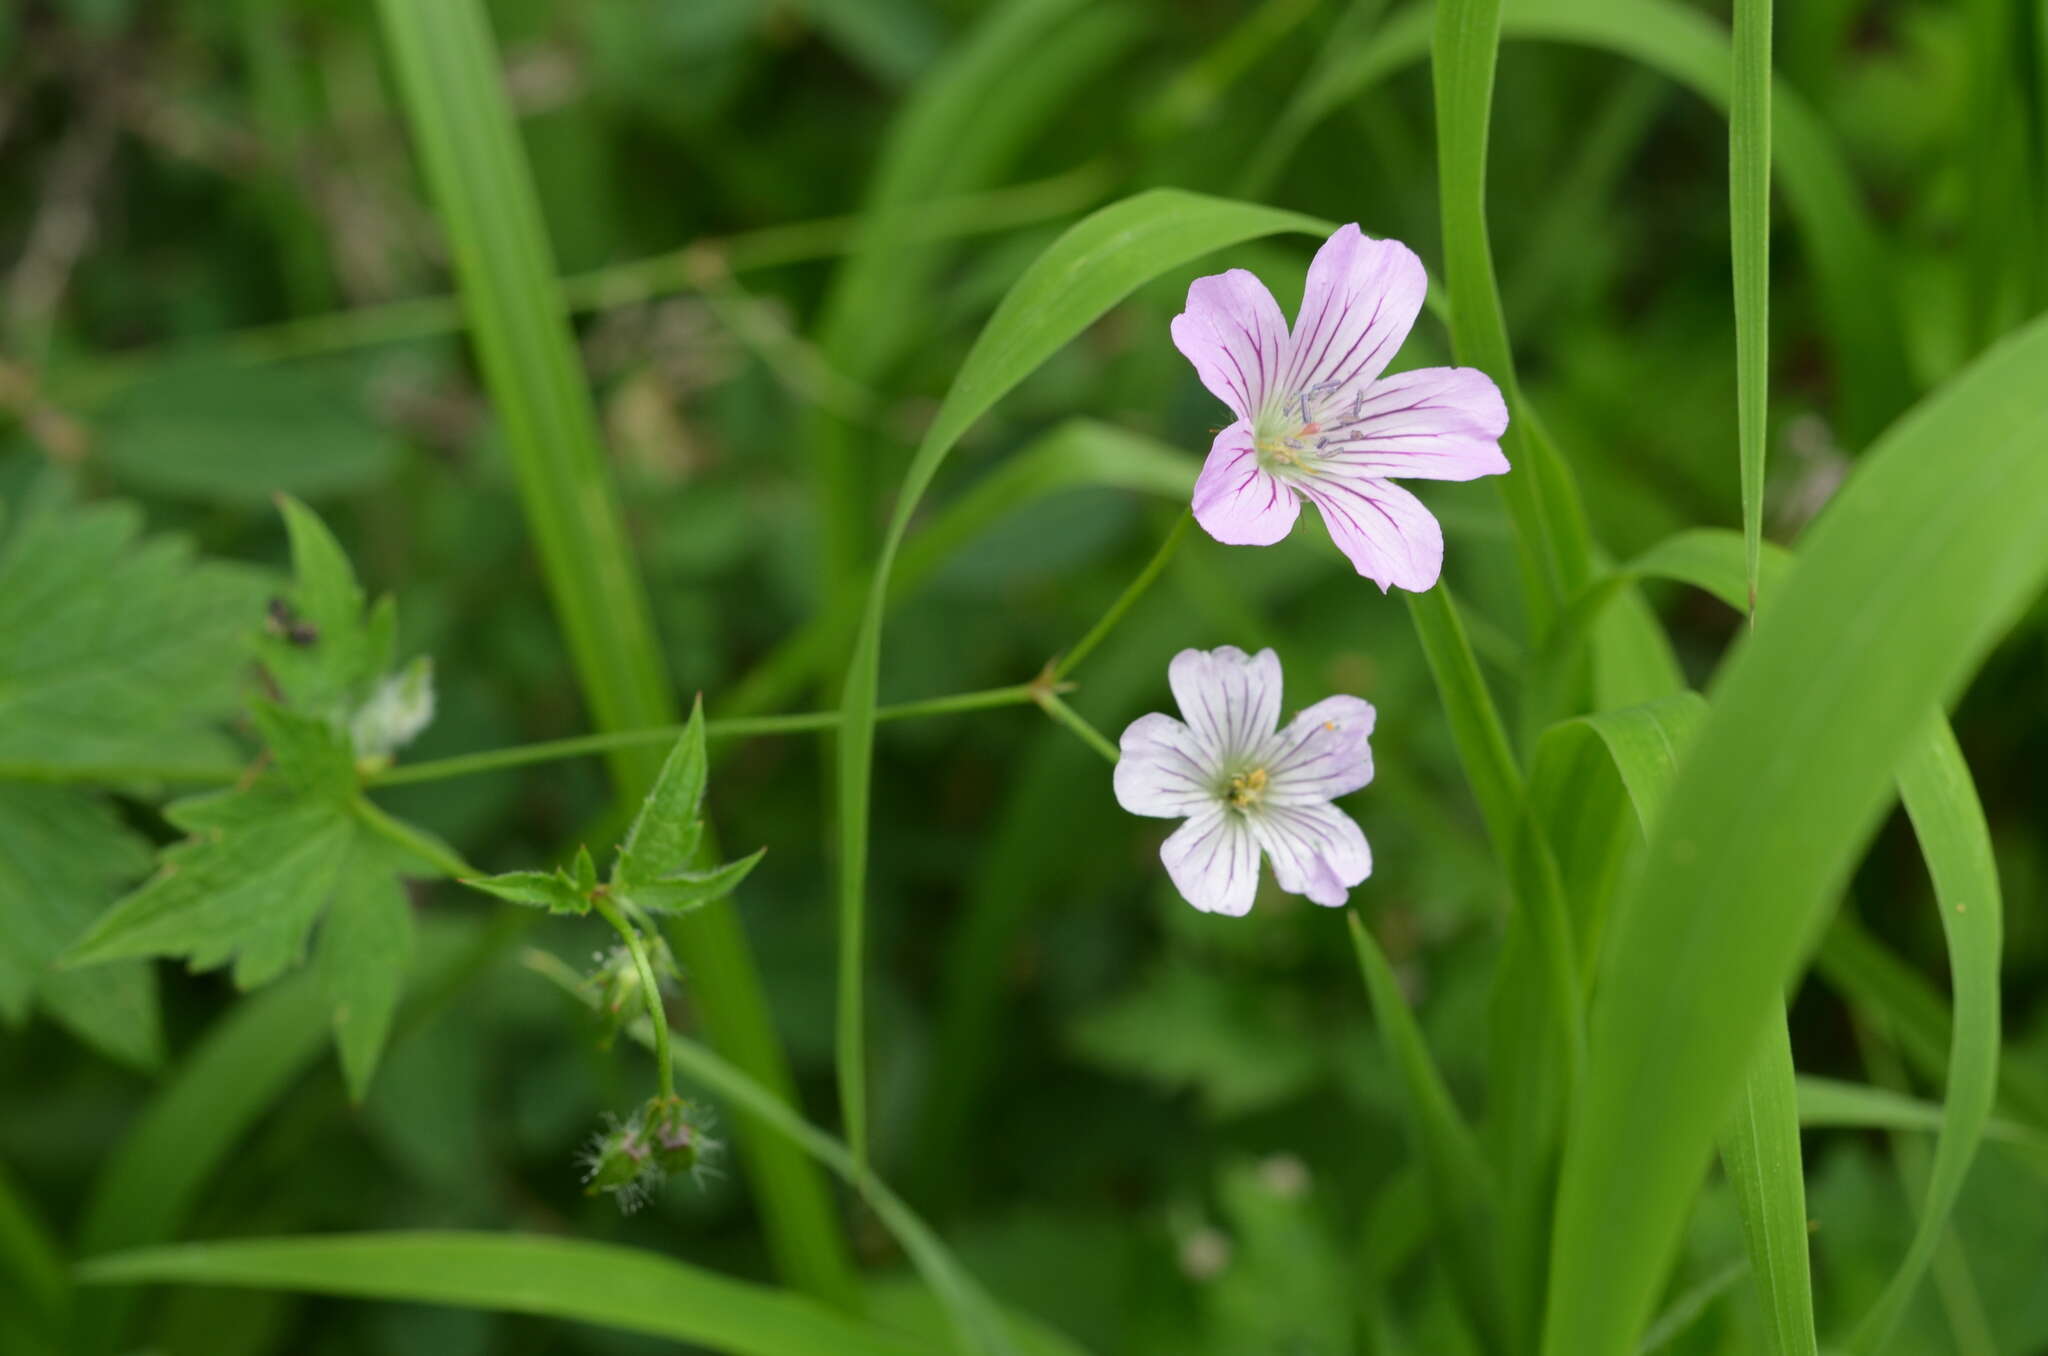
{"points": [[665, 834], [687, 890], [116, 651], [550, 890], [64, 855]]}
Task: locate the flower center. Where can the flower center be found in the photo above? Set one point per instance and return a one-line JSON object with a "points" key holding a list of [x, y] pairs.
{"points": [[1247, 788], [1293, 434]]}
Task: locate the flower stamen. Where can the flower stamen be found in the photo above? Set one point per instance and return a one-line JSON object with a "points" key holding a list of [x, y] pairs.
{"points": [[1247, 788]]}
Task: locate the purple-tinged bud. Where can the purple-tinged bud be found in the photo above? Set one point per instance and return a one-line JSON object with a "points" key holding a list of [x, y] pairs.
{"points": [[676, 1133]]}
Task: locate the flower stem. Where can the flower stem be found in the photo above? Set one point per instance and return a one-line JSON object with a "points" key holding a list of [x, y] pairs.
{"points": [[424, 846], [657, 1016], [1125, 601], [1075, 721], [798, 722]]}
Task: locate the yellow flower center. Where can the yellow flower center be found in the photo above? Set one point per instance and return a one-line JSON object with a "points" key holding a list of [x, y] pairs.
{"points": [[1247, 787]]}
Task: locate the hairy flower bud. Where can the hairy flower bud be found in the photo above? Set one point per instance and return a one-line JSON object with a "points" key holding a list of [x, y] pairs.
{"points": [[630, 1159]]}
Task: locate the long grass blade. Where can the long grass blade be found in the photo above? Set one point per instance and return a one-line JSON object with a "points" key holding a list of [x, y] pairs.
{"points": [[455, 104], [1556, 550], [1457, 1176], [1749, 217], [1901, 587], [600, 1283]]}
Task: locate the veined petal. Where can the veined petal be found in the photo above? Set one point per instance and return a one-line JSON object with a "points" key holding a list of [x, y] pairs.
{"points": [[1234, 334], [1214, 862], [1316, 850], [1323, 753], [1231, 700], [1435, 423], [1387, 534], [1237, 501], [1164, 771], [1361, 300]]}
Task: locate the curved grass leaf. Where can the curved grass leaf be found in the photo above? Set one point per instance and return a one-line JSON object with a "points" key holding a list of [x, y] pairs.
{"points": [[957, 131], [565, 1278], [1900, 588], [1090, 268]]}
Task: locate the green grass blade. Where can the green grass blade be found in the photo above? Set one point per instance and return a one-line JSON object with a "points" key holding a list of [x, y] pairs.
{"points": [[1918, 565], [1457, 1177], [1830, 1102], [1536, 1002], [455, 104], [150, 1183], [1090, 268], [1955, 841], [1550, 526], [1852, 276], [599, 1283], [1760, 1142], [1749, 218], [1871, 976], [1760, 1153], [1941, 800]]}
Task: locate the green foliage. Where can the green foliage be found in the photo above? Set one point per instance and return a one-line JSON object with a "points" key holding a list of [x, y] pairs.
{"points": [[566, 1278], [265, 861], [118, 653], [655, 867], [824, 253], [66, 855]]}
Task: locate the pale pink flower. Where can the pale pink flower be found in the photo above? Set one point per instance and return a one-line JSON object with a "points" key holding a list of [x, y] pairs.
{"points": [[1316, 421], [1246, 786]]}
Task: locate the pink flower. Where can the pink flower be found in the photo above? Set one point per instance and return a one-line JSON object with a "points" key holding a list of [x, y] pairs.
{"points": [[1246, 786], [1316, 421]]}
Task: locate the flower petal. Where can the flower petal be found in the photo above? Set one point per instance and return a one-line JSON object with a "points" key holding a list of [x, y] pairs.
{"points": [[1316, 850], [1435, 423], [1237, 501], [1230, 699], [1234, 334], [1322, 754], [1361, 300], [1164, 771], [1214, 862], [1388, 535]]}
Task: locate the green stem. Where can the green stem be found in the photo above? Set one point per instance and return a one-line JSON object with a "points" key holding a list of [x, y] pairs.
{"points": [[1075, 721], [657, 1015], [401, 834], [799, 722], [1126, 600]]}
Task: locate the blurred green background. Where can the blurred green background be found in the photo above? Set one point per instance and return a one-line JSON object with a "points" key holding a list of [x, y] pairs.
{"points": [[1152, 1128]]}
